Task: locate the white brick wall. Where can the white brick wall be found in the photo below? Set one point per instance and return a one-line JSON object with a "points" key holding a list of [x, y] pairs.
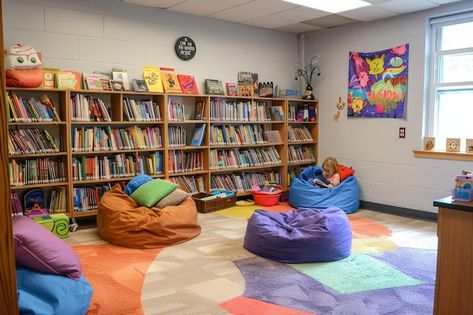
{"points": [[90, 35]]}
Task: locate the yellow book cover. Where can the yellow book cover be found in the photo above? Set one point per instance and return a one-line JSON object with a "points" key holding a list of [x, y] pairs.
{"points": [[152, 77], [171, 82]]}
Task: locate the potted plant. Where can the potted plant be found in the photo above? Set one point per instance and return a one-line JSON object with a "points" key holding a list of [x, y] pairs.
{"points": [[307, 72]]}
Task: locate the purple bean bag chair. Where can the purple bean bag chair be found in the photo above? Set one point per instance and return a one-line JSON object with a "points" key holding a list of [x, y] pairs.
{"points": [[299, 236]]}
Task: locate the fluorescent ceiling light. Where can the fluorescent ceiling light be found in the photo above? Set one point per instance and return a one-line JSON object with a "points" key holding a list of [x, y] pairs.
{"points": [[332, 6]]}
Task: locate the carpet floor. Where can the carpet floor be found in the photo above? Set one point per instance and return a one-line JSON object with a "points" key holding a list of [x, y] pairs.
{"points": [[391, 271]]}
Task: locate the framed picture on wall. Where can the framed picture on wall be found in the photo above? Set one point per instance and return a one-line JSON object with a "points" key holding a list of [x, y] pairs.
{"points": [[469, 146], [453, 145], [429, 143]]}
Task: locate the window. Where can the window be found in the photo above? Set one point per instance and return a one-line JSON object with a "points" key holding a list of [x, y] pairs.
{"points": [[450, 113]]}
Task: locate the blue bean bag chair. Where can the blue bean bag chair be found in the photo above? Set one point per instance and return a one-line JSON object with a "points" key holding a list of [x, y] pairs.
{"points": [[43, 293], [299, 236], [303, 193]]}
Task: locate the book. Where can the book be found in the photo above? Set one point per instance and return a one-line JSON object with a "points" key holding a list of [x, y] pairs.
{"points": [[68, 80], [231, 89], [188, 84], [198, 135], [34, 197], [139, 85], [245, 89], [254, 77], [214, 87], [265, 89], [117, 85], [170, 82], [276, 112], [92, 82], [199, 111], [152, 77], [321, 183], [106, 84], [49, 78], [121, 75]]}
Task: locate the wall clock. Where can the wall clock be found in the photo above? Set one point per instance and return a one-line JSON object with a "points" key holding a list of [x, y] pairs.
{"points": [[185, 48]]}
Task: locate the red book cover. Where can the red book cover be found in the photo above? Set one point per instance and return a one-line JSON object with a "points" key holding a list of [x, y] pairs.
{"points": [[188, 84]]}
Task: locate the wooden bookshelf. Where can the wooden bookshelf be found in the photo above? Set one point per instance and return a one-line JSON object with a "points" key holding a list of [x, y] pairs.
{"points": [[117, 107]]}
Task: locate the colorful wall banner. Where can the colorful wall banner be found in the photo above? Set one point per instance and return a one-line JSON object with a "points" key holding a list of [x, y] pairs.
{"points": [[377, 83]]}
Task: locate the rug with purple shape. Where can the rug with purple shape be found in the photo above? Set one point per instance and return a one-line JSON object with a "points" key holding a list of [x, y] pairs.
{"points": [[282, 285]]}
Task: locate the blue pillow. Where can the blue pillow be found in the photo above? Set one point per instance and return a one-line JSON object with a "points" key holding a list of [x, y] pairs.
{"points": [[44, 293], [136, 182]]}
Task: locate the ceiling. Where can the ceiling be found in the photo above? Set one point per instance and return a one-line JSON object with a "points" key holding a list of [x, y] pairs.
{"points": [[289, 17]]}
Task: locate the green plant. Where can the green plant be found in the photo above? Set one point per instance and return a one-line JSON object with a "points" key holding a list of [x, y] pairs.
{"points": [[308, 71]]}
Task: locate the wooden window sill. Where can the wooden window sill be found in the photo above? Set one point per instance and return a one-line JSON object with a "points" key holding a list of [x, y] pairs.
{"points": [[443, 155]]}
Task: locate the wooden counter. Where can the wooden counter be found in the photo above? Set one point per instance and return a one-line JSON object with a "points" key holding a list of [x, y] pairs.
{"points": [[454, 284]]}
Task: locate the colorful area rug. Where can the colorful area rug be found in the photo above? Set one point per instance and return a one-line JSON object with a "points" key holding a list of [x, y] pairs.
{"points": [[117, 275]]}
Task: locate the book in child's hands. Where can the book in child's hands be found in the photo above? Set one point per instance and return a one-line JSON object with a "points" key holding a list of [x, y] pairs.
{"points": [[152, 77], [321, 182], [188, 84], [171, 82], [198, 135]]}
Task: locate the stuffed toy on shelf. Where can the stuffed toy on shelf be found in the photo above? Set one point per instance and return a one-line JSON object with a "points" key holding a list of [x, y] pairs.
{"points": [[23, 67]]}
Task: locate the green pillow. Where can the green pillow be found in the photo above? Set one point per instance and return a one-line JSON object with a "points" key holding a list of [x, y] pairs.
{"points": [[152, 192]]}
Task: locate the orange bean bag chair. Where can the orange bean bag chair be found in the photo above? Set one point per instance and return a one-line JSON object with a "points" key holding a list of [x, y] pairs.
{"points": [[121, 221]]}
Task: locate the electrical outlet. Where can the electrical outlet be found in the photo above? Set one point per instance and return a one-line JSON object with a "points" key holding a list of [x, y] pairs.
{"points": [[402, 132]]}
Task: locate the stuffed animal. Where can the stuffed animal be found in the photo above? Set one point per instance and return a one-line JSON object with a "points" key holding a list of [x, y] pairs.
{"points": [[23, 67]]}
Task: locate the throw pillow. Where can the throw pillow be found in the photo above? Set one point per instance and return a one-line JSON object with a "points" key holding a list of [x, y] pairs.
{"points": [[150, 193], [136, 182], [173, 199], [39, 249]]}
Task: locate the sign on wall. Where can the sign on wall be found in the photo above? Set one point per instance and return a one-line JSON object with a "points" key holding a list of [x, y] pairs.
{"points": [[185, 48], [377, 83]]}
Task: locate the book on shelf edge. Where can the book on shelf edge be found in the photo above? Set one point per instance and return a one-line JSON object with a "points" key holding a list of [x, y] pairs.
{"points": [[214, 87], [152, 77], [199, 111], [170, 82], [188, 84], [198, 135]]}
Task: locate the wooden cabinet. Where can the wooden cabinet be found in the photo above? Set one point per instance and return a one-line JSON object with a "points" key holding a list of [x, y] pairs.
{"points": [[245, 141], [454, 282]]}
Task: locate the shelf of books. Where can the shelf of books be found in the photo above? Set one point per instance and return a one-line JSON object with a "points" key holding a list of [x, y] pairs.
{"points": [[302, 137], [68, 147]]}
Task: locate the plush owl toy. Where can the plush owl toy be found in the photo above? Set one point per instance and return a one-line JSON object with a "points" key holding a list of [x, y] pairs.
{"points": [[23, 67]]}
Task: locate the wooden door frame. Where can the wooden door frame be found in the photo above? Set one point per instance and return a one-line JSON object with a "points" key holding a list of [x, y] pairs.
{"points": [[8, 295]]}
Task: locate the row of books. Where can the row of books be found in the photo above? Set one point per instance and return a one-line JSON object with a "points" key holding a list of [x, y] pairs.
{"points": [[88, 198], [190, 184], [298, 134], [36, 171], [292, 173], [87, 108], [56, 201], [31, 110], [32, 140], [235, 158], [116, 166], [301, 154], [106, 138], [230, 110], [302, 112], [141, 110], [177, 136], [244, 181], [236, 134], [183, 161], [177, 112]]}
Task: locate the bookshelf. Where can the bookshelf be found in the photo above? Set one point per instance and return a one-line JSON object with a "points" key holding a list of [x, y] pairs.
{"points": [[200, 142]]}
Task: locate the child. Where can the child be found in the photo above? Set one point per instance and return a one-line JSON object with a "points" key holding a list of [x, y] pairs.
{"points": [[330, 166]]}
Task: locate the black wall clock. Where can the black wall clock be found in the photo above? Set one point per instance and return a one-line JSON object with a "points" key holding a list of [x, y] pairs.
{"points": [[185, 48]]}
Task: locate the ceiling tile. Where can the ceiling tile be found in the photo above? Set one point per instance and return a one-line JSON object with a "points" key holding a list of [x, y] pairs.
{"points": [[205, 7], [252, 10], [299, 28], [368, 14], [406, 6], [376, 1], [154, 3], [286, 17], [332, 20], [443, 1]]}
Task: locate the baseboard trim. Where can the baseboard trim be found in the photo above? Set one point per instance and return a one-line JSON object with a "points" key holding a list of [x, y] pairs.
{"points": [[405, 212]]}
